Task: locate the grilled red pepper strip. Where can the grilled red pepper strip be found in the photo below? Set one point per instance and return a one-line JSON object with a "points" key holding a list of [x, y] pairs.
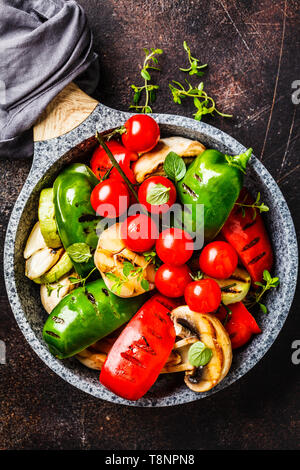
{"points": [[140, 352], [249, 237], [241, 325]]}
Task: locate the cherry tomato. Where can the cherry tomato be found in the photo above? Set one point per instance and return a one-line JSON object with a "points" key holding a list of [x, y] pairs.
{"points": [[218, 259], [174, 246], [142, 133], [171, 281], [203, 296], [139, 232], [110, 198], [157, 194], [100, 162]]}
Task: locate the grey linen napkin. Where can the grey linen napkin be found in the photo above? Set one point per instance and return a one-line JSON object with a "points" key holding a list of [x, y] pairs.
{"points": [[44, 45]]}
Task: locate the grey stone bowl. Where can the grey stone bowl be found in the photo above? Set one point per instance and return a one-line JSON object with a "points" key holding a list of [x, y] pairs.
{"points": [[49, 158]]}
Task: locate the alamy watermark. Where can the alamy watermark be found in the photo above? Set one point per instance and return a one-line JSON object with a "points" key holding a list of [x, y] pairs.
{"points": [[2, 92], [296, 354], [296, 93], [2, 352], [188, 217]]}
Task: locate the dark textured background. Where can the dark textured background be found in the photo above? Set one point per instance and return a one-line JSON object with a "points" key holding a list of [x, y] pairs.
{"points": [[252, 48]]}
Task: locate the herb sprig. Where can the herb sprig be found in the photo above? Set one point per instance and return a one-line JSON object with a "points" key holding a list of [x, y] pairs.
{"points": [[256, 205], [194, 68], [50, 289], [81, 280], [129, 271], [269, 283], [204, 104], [148, 89]]}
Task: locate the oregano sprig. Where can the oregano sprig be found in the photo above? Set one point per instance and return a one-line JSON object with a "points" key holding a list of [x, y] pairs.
{"points": [[148, 89], [195, 66], [204, 104], [268, 283], [129, 271], [81, 280], [256, 205]]}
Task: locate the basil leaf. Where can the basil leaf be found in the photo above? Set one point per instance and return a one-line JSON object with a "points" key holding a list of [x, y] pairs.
{"points": [[174, 166], [158, 194], [79, 252], [199, 354]]}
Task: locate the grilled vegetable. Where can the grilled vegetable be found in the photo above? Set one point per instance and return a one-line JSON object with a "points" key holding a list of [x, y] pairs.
{"points": [[35, 241], [41, 261], [151, 163], [209, 330], [140, 352], [239, 324], [62, 267], [51, 294], [84, 316], [124, 272], [245, 231], [75, 217], [47, 221], [214, 180], [238, 286]]}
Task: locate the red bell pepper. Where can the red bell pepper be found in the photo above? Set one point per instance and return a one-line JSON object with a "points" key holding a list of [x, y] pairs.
{"points": [[241, 325], [249, 237], [140, 352]]}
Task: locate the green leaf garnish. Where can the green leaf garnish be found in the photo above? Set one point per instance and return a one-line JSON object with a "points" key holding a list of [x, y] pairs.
{"points": [[174, 166], [158, 194], [256, 205], [79, 252], [145, 284], [127, 268], [195, 67], [147, 89], [269, 283], [199, 354], [81, 280], [204, 104]]}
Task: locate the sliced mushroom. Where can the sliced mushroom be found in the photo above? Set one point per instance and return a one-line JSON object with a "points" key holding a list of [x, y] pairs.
{"points": [[41, 261], [110, 256], [151, 163], [35, 241], [181, 350], [208, 329], [52, 294], [238, 286]]}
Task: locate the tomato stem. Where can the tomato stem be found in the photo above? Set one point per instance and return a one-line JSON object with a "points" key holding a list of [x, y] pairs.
{"points": [[116, 165]]}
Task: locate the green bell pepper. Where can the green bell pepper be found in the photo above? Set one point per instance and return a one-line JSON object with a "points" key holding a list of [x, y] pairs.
{"points": [[86, 315], [214, 180], [76, 219]]}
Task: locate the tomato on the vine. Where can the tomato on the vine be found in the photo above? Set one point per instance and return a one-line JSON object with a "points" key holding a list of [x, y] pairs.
{"points": [[142, 133], [139, 232], [157, 194], [218, 259], [110, 199], [174, 246], [100, 162], [203, 296], [171, 281]]}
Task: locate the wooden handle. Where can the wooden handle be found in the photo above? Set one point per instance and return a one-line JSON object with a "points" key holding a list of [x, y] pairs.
{"points": [[65, 112]]}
